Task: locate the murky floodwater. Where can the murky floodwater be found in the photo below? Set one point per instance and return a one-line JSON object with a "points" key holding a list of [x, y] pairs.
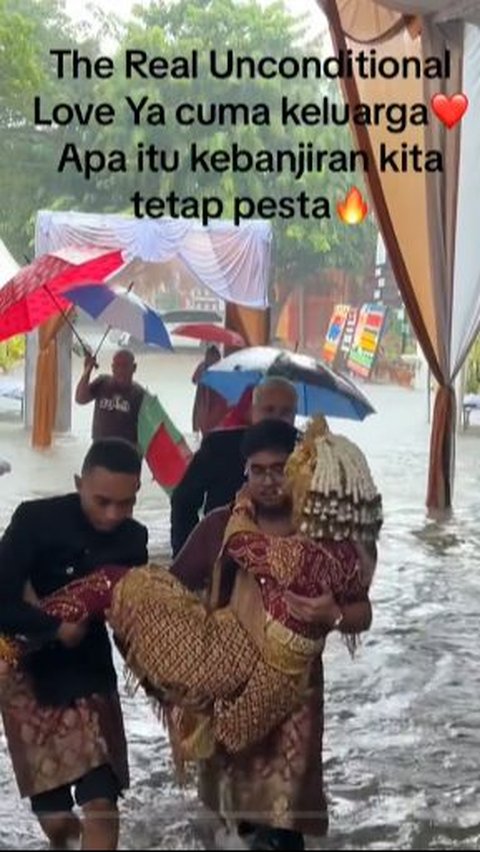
{"points": [[402, 720]]}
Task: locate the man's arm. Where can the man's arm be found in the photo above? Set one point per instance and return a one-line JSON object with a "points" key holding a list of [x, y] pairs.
{"points": [[323, 610], [86, 390], [356, 615], [198, 374], [17, 557], [189, 497]]}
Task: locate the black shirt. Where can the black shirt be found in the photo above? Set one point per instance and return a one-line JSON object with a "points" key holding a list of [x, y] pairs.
{"points": [[116, 409], [212, 479], [50, 543]]}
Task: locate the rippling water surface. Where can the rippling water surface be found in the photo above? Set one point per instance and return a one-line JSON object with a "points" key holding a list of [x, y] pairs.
{"points": [[402, 720]]}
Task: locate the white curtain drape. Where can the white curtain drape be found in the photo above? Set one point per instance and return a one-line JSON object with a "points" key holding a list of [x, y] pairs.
{"points": [[233, 262], [429, 220], [465, 320]]}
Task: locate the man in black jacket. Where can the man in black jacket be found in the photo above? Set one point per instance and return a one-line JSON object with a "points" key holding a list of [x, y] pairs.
{"points": [[216, 471], [62, 715]]}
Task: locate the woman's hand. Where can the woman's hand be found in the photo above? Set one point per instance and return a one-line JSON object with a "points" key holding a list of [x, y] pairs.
{"points": [[322, 610], [71, 634], [368, 559]]}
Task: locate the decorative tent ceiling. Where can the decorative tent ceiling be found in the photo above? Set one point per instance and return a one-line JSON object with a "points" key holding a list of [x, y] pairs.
{"points": [[370, 21], [439, 10], [367, 22]]}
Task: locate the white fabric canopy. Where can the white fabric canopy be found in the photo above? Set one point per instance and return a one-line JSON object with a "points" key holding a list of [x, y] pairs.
{"points": [[233, 262], [465, 323]]}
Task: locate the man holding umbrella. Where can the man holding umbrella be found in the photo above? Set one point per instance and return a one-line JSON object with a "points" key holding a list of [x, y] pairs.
{"points": [[209, 407], [117, 398], [216, 471]]}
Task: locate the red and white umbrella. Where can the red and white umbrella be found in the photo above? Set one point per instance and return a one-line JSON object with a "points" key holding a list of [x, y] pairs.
{"points": [[34, 294], [209, 333]]}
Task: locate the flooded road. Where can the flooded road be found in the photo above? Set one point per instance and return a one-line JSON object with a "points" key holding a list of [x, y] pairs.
{"points": [[402, 720]]}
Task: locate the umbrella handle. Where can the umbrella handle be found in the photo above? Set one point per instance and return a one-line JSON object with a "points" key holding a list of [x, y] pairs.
{"points": [[65, 316], [109, 328], [107, 332], [67, 319]]}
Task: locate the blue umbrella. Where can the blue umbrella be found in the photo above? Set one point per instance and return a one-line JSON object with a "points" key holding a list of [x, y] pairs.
{"points": [[123, 310], [320, 390]]}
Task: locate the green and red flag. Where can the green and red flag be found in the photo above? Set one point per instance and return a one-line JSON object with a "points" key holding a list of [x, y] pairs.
{"points": [[162, 444]]}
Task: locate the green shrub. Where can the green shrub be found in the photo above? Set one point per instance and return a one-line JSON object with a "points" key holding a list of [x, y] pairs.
{"points": [[473, 368], [12, 352]]}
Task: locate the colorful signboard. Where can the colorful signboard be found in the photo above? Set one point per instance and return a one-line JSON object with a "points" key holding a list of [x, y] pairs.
{"points": [[349, 332], [335, 332], [368, 332]]}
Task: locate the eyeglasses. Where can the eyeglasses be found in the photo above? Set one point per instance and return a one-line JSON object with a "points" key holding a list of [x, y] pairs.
{"points": [[260, 472]]}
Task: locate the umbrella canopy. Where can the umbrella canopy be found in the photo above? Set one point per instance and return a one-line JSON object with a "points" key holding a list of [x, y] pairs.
{"points": [[123, 310], [209, 333], [35, 293], [163, 445], [319, 389]]}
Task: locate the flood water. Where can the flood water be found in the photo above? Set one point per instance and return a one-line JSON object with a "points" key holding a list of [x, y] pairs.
{"points": [[402, 742]]}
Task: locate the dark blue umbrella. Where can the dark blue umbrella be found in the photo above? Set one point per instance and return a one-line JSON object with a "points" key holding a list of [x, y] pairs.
{"points": [[320, 390]]}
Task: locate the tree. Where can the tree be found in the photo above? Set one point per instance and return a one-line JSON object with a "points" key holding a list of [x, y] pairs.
{"points": [[29, 29], [29, 175], [171, 30], [473, 369]]}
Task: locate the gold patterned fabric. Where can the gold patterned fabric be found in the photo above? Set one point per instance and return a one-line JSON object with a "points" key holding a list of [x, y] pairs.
{"points": [[202, 660], [85, 598], [267, 697], [278, 782], [54, 746], [244, 678], [170, 639]]}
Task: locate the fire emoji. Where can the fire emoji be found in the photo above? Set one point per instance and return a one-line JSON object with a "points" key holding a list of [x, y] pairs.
{"points": [[353, 210]]}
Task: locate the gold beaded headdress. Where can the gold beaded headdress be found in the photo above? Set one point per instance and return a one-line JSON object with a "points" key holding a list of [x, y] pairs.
{"points": [[334, 495]]}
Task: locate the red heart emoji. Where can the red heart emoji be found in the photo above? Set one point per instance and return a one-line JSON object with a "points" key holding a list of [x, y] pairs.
{"points": [[450, 110]]}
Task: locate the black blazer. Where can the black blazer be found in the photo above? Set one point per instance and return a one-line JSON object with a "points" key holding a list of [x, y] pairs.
{"points": [[50, 543], [212, 479]]}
